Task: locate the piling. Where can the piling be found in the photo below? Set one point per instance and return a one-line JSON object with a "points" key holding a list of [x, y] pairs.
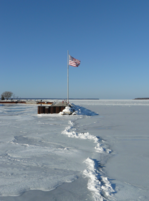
{"points": [[46, 110]]}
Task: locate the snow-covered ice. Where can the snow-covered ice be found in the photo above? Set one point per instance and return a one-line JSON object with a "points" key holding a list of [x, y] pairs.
{"points": [[102, 152]]}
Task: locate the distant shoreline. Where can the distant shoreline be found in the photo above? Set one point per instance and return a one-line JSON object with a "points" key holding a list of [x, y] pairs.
{"points": [[141, 99], [60, 98]]}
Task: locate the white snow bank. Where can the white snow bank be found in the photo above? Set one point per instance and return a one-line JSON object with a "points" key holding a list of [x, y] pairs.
{"points": [[79, 110], [70, 131], [98, 184], [68, 110]]}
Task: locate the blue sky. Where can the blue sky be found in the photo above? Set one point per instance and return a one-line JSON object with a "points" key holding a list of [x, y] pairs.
{"points": [[110, 37]]}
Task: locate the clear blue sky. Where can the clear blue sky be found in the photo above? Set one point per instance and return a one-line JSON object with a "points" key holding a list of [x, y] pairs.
{"points": [[110, 37]]}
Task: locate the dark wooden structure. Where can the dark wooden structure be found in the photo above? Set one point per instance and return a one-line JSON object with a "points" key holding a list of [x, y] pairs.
{"points": [[50, 109], [50, 103]]}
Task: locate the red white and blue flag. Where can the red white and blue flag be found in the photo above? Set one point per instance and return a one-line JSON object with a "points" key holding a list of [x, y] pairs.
{"points": [[73, 62]]}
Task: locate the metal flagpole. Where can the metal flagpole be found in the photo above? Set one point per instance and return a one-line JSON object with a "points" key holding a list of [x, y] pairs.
{"points": [[67, 76]]}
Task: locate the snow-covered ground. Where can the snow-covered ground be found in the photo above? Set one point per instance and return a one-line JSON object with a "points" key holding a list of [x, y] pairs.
{"points": [[102, 153]]}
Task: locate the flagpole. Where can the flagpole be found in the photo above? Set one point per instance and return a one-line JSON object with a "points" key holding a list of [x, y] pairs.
{"points": [[67, 76]]}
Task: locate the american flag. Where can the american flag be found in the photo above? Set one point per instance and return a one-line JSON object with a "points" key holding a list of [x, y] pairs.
{"points": [[73, 62]]}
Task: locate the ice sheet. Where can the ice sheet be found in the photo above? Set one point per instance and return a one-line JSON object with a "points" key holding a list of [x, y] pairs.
{"points": [[125, 128], [34, 155], [42, 152]]}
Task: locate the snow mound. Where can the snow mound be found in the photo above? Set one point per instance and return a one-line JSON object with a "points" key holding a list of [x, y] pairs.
{"points": [[77, 110], [82, 111], [98, 184], [70, 131], [67, 111]]}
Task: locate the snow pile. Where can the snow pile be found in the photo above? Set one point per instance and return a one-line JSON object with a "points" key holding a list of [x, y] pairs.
{"points": [[68, 110], [71, 132], [79, 110], [98, 184]]}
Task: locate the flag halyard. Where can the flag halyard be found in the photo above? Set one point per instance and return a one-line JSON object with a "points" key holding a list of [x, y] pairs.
{"points": [[74, 62]]}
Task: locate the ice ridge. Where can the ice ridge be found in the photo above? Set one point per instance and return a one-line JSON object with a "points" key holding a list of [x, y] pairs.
{"points": [[70, 131], [98, 184]]}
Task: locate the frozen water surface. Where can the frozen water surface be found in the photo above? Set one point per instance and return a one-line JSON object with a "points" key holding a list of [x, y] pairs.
{"points": [[100, 154]]}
